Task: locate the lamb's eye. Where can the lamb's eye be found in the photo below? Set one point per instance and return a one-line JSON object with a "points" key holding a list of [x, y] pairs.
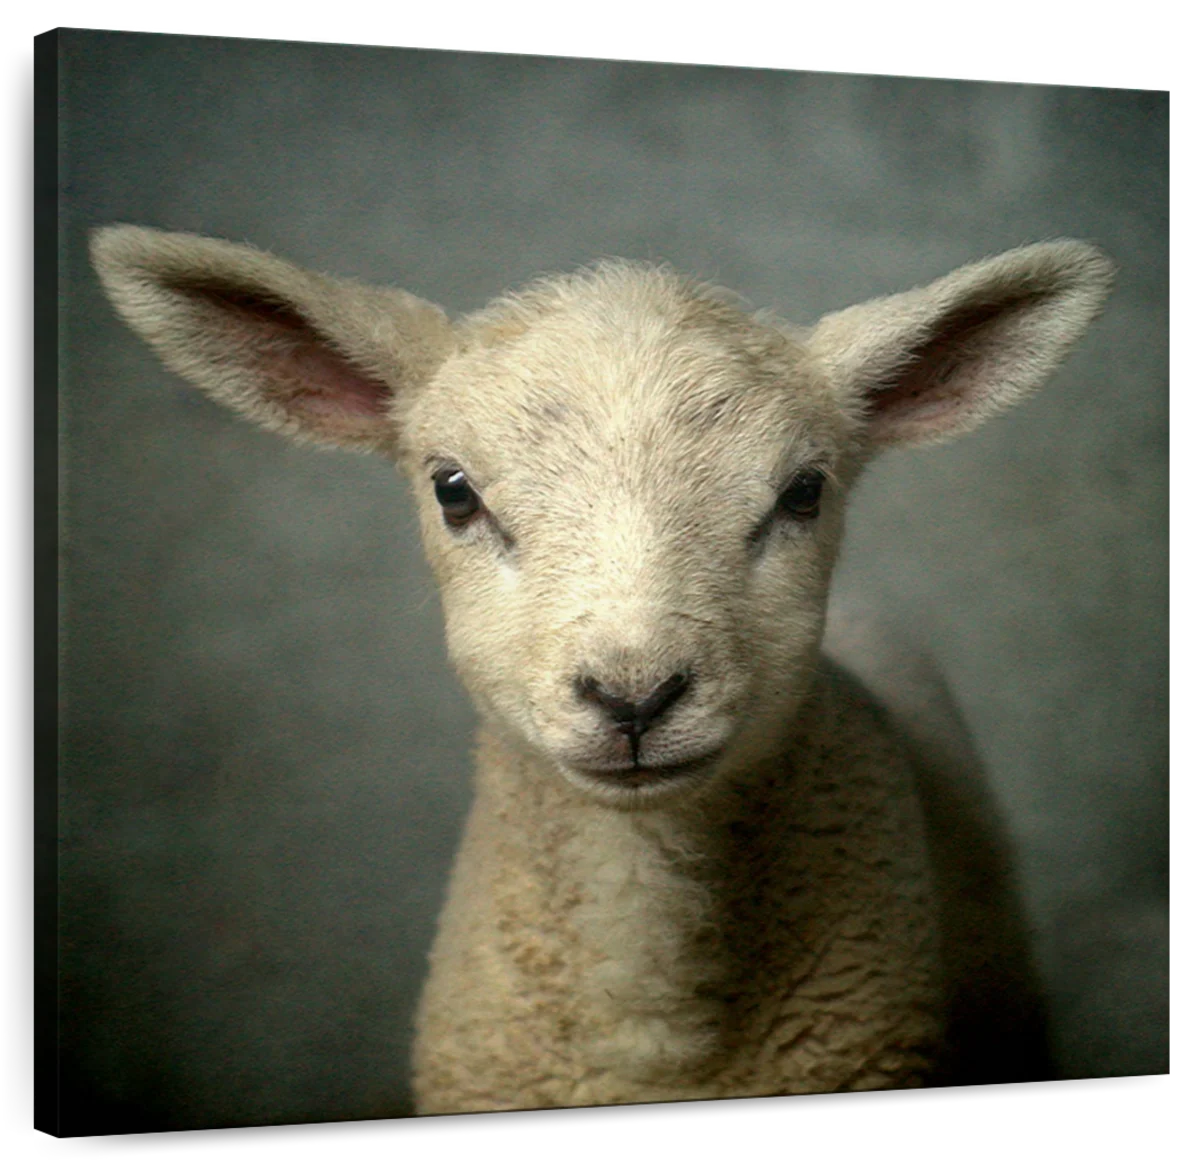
{"points": [[802, 498], [459, 501]]}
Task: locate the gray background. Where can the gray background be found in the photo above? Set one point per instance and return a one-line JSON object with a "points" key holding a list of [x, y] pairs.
{"points": [[264, 754]]}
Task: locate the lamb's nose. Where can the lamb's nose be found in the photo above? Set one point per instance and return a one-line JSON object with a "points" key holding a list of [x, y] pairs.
{"points": [[633, 718]]}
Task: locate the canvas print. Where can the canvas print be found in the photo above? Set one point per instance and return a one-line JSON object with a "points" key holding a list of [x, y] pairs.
{"points": [[570, 583]]}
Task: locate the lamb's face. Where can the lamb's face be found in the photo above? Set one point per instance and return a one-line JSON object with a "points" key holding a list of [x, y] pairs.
{"points": [[631, 498]]}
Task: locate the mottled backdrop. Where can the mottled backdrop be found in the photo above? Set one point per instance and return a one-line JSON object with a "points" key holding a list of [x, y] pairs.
{"points": [[264, 756]]}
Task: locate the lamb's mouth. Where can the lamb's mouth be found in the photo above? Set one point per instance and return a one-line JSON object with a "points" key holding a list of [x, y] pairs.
{"points": [[631, 777]]}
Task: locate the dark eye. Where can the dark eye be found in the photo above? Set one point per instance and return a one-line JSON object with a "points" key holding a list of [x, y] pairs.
{"points": [[802, 498], [459, 501]]}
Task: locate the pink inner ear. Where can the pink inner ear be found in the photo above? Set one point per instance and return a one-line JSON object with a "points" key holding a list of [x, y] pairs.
{"points": [[930, 387], [305, 372], [947, 371], [326, 385]]}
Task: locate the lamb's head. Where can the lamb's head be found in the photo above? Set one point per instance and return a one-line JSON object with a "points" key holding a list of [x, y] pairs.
{"points": [[639, 503], [631, 491]]}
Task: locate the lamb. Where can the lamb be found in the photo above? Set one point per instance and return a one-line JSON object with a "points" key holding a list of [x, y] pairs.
{"points": [[702, 861]]}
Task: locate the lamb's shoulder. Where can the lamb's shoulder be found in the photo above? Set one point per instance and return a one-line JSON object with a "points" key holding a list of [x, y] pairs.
{"points": [[997, 1032], [840, 985], [495, 1017]]}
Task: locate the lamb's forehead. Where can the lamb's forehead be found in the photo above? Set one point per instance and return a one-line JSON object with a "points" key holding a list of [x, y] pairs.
{"points": [[625, 351], [629, 311]]}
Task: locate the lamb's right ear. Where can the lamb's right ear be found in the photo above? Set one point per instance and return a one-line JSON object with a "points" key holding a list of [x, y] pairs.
{"points": [[318, 358]]}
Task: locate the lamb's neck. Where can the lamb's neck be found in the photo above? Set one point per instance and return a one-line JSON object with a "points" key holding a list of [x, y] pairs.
{"points": [[669, 843], [647, 920]]}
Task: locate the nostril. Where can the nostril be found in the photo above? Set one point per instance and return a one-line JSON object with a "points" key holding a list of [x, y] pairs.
{"points": [[619, 708], [634, 717], [665, 695]]}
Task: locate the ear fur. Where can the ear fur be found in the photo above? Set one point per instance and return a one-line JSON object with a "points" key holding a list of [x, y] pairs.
{"points": [[932, 363], [314, 357]]}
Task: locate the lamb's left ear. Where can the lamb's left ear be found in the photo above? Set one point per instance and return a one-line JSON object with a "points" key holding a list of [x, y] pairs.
{"points": [[934, 362], [314, 357]]}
